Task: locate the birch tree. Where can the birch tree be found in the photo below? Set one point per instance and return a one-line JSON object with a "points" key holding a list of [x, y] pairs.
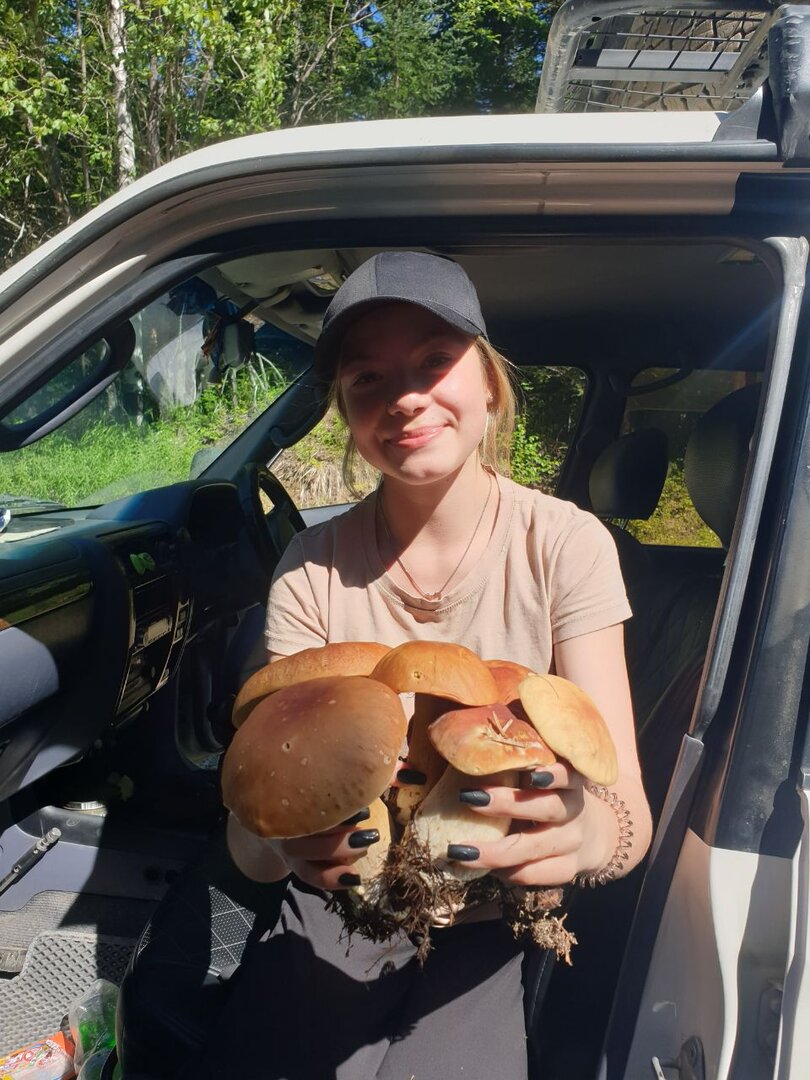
{"points": [[124, 133]]}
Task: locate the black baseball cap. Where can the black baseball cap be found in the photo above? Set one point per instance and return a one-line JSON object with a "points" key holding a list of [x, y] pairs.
{"points": [[415, 277]]}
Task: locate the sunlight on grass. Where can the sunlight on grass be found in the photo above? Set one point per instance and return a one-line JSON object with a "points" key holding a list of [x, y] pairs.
{"points": [[109, 460], [105, 457], [675, 520]]}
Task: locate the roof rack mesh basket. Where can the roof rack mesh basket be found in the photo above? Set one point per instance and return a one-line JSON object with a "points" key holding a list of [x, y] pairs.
{"points": [[608, 55]]}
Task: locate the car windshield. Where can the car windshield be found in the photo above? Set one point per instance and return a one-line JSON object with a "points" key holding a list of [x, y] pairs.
{"points": [[201, 370]]}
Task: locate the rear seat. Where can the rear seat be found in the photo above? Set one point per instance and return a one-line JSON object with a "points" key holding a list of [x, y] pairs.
{"points": [[673, 598]]}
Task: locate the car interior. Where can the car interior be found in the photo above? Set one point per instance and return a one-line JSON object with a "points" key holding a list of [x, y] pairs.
{"points": [[130, 619]]}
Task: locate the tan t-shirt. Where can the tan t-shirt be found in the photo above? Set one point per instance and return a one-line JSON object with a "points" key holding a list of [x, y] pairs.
{"points": [[550, 573]]}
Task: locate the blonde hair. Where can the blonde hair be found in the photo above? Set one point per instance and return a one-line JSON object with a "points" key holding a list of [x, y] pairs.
{"points": [[495, 447]]}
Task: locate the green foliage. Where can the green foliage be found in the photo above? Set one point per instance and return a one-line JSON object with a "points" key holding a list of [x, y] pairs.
{"points": [[99, 461], [467, 56], [105, 461], [534, 462], [197, 71]]}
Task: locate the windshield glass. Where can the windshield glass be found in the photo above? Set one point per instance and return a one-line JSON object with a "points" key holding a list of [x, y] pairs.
{"points": [[200, 372]]}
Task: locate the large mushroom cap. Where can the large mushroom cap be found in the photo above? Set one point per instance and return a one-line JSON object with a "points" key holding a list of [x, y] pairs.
{"points": [[313, 754], [436, 667], [508, 676], [568, 720], [488, 739], [338, 658]]}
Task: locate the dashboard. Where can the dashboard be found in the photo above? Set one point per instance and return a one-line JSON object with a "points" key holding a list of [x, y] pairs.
{"points": [[95, 615]]}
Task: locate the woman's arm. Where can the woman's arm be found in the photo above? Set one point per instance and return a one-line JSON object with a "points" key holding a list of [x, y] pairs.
{"points": [[596, 663]]}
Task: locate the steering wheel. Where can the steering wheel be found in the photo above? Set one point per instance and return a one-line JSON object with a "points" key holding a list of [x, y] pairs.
{"points": [[272, 518]]}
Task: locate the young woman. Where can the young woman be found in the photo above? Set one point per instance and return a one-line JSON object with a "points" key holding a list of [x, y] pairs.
{"points": [[447, 548]]}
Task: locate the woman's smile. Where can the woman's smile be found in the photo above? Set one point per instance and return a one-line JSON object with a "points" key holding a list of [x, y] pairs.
{"points": [[416, 437]]}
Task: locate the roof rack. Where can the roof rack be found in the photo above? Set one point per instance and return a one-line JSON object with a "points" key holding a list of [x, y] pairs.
{"points": [[607, 55]]}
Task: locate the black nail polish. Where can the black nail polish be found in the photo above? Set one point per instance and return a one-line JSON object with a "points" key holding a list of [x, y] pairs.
{"points": [[411, 776], [349, 880], [462, 853], [474, 797], [355, 819], [541, 779], [364, 837]]}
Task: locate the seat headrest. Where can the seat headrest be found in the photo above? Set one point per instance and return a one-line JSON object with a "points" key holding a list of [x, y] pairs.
{"points": [[628, 477], [717, 457]]}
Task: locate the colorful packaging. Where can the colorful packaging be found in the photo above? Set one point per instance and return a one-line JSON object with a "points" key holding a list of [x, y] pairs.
{"points": [[47, 1059], [92, 1021]]}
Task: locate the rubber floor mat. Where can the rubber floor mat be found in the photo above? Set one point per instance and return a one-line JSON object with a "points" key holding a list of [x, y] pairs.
{"points": [[60, 965], [76, 913]]}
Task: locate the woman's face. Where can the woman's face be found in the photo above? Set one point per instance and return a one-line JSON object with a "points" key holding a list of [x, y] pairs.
{"points": [[414, 392]]}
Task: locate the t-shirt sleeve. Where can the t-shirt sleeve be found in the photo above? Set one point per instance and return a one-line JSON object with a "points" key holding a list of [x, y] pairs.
{"points": [[587, 591], [294, 619]]}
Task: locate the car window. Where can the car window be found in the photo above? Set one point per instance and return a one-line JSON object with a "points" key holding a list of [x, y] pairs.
{"points": [[675, 408], [200, 372], [550, 400]]}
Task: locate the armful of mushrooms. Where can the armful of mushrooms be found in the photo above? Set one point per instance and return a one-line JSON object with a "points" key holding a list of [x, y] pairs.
{"points": [[318, 736]]}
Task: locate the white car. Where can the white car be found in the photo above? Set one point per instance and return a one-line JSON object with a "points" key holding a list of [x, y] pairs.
{"points": [[646, 272]]}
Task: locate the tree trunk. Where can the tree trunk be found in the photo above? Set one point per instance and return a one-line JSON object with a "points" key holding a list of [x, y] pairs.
{"points": [[49, 153], [125, 136], [153, 108], [83, 84]]}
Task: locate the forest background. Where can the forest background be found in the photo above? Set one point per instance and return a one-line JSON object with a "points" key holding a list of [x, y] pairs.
{"points": [[94, 93]]}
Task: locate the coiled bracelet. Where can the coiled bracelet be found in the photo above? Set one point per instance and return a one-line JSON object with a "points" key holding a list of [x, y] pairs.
{"points": [[625, 842]]}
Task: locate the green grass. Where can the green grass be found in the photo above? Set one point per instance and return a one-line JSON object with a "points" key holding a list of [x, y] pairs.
{"points": [[675, 520], [108, 460], [105, 461]]}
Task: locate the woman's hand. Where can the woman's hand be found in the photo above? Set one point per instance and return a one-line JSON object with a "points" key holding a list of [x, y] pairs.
{"points": [[558, 829], [325, 860]]}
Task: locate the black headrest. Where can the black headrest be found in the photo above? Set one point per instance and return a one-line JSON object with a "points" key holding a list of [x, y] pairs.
{"points": [[717, 456], [628, 476]]}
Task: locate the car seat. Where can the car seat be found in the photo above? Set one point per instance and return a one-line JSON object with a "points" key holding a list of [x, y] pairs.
{"points": [[625, 485]]}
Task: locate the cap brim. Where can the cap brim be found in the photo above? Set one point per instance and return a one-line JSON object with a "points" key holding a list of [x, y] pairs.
{"points": [[327, 346]]}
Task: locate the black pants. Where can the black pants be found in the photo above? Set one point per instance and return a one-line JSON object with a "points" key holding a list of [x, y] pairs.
{"points": [[307, 1005]]}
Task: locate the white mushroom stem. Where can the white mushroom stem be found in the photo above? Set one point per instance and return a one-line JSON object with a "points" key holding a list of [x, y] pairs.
{"points": [[422, 757], [370, 864], [442, 820]]}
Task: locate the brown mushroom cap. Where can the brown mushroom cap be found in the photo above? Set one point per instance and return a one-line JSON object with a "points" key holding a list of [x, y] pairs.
{"points": [[313, 754], [338, 658], [488, 739], [508, 676], [569, 721], [437, 667]]}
